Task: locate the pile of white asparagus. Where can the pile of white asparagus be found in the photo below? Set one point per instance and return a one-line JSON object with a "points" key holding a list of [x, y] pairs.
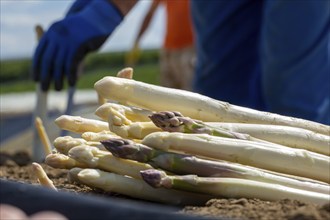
{"points": [[179, 147]]}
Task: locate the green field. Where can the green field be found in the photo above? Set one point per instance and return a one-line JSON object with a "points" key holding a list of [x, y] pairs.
{"points": [[15, 75]]}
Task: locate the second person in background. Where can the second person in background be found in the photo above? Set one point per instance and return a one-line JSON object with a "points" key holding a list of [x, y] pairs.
{"points": [[177, 54]]}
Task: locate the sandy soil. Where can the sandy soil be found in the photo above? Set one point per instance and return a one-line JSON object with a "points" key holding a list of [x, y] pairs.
{"points": [[17, 167]]}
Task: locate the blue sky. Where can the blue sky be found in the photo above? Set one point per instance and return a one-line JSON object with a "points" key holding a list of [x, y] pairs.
{"points": [[18, 18]]}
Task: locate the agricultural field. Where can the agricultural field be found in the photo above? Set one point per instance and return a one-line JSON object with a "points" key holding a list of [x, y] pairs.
{"points": [[16, 76]]}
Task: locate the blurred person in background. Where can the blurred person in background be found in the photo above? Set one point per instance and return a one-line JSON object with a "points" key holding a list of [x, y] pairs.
{"points": [[177, 54], [270, 55]]}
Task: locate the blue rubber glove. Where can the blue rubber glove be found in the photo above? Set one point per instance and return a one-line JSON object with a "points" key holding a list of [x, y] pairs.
{"points": [[67, 41]]}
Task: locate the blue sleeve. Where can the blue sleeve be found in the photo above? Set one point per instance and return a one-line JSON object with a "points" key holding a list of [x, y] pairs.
{"points": [[295, 58], [227, 39], [269, 55]]}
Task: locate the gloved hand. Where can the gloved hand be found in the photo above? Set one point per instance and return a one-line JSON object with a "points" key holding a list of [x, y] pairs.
{"points": [[67, 41]]}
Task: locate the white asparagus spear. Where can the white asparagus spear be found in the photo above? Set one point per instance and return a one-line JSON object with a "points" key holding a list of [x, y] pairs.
{"points": [[79, 124], [136, 188], [284, 135], [117, 118], [61, 161], [123, 127], [196, 106], [124, 73], [65, 143], [276, 158], [232, 187], [186, 164], [42, 176], [43, 136], [98, 136], [131, 113], [136, 130], [104, 160]]}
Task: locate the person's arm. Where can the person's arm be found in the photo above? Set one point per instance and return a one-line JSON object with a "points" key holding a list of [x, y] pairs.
{"points": [[146, 21]]}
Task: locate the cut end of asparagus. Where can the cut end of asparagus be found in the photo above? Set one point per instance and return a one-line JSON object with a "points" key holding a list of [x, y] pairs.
{"points": [[156, 178], [120, 147]]}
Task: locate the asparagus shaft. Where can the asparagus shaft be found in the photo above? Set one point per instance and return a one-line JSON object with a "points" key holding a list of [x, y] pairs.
{"points": [[279, 159], [284, 135], [231, 187], [42, 176], [176, 122], [136, 188], [130, 113], [65, 143], [98, 136], [78, 124], [61, 161], [136, 130], [157, 98], [43, 136], [186, 164]]}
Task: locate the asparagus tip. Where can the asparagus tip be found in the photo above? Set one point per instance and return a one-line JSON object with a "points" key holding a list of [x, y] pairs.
{"points": [[155, 178], [119, 147], [167, 120]]}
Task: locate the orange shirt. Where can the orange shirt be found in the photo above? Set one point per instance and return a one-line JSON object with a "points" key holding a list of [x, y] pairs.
{"points": [[179, 33]]}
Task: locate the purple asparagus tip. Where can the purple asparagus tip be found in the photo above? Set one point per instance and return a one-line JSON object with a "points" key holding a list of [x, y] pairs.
{"points": [[120, 147], [168, 121], [153, 177]]}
